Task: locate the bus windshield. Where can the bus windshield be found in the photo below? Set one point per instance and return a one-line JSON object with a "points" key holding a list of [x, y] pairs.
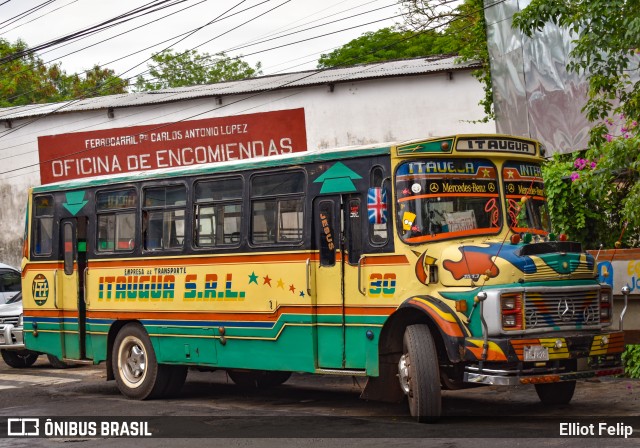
{"points": [[447, 198], [525, 197]]}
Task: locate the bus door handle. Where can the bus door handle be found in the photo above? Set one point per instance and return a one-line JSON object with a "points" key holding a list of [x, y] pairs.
{"points": [[308, 274], [85, 274], [55, 289], [360, 262]]}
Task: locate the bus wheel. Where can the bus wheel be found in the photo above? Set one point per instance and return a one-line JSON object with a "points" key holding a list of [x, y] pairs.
{"points": [[136, 370], [19, 358], [556, 393], [258, 379], [419, 374]]}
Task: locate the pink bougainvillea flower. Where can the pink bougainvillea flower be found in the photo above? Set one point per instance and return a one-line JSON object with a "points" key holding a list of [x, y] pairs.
{"points": [[609, 137], [575, 177], [593, 165]]}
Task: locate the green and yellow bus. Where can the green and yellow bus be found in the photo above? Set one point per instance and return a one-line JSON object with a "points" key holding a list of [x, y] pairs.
{"points": [[423, 265]]}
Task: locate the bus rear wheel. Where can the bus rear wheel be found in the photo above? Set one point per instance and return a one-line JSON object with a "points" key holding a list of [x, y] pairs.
{"points": [[556, 393], [258, 379], [137, 372], [419, 374]]}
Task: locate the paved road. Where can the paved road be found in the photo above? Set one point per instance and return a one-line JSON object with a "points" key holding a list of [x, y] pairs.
{"points": [[308, 409]]}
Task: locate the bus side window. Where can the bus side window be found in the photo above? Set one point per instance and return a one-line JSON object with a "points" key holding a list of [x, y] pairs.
{"points": [[277, 208], [327, 237], [164, 217], [116, 219], [43, 225], [378, 208], [218, 212]]}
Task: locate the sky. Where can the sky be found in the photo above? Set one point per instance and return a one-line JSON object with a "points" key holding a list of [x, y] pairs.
{"points": [[127, 47]]}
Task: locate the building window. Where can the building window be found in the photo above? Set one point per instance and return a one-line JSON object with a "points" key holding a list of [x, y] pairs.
{"points": [[277, 208], [218, 212], [116, 212], [163, 217], [43, 225]]}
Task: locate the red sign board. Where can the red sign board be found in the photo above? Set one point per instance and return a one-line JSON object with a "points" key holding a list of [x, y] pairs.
{"points": [[149, 147]]}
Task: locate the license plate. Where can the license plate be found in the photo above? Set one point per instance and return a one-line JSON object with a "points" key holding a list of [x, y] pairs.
{"points": [[536, 353]]}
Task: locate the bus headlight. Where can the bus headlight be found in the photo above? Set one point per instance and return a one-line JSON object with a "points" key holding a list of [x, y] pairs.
{"points": [[605, 301], [511, 310]]}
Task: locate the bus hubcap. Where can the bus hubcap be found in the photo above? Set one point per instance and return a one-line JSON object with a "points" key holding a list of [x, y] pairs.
{"points": [[403, 374], [133, 361]]}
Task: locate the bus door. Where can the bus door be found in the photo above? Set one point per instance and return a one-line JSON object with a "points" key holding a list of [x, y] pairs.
{"points": [[70, 287], [336, 273]]}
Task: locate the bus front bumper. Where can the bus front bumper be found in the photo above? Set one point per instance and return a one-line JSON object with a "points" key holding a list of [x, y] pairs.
{"points": [[543, 359]]}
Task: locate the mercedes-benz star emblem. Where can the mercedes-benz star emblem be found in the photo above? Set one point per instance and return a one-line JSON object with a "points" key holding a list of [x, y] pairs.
{"points": [[566, 310]]}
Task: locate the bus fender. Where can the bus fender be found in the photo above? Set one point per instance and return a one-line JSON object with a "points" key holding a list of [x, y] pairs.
{"points": [[448, 333], [450, 328]]}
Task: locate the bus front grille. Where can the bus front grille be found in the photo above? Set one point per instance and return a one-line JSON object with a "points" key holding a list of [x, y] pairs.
{"points": [[551, 309]]}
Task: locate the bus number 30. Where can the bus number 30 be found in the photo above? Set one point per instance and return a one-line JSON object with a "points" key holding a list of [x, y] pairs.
{"points": [[382, 285]]}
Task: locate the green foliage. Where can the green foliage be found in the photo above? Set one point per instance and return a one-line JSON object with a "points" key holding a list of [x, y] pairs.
{"points": [[28, 80], [172, 69], [573, 207], [606, 38], [587, 200], [388, 44], [631, 358]]}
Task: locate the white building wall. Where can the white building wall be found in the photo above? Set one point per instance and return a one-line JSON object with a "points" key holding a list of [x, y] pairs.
{"points": [[352, 113]]}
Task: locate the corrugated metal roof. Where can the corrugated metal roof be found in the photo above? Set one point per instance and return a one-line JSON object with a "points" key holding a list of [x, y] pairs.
{"points": [[403, 67]]}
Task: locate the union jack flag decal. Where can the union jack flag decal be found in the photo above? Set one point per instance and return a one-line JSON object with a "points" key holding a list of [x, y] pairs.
{"points": [[377, 205]]}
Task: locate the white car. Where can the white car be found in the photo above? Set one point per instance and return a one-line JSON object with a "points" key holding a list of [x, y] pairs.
{"points": [[12, 346], [9, 282]]}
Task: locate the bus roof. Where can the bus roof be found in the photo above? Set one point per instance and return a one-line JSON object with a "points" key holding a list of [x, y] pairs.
{"points": [[220, 167], [274, 161]]}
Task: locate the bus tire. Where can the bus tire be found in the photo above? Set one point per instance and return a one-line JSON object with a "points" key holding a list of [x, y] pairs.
{"points": [[136, 370], [56, 362], [19, 359], [177, 377], [419, 374], [556, 393], [258, 379]]}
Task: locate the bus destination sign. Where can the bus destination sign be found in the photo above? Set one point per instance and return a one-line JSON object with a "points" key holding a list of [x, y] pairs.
{"points": [[496, 144]]}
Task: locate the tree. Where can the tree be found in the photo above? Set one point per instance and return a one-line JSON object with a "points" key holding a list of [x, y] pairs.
{"points": [[173, 69], [28, 80], [388, 44], [606, 42]]}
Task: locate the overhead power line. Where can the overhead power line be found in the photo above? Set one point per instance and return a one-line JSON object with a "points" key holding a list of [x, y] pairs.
{"points": [[130, 15], [283, 85]]}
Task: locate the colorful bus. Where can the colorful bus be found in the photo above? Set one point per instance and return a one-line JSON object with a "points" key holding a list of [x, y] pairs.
{"points": [[424, 265]]}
